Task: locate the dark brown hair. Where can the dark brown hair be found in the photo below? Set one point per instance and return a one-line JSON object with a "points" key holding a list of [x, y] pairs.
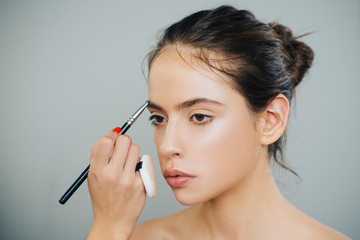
{"points": [[264, 59]]}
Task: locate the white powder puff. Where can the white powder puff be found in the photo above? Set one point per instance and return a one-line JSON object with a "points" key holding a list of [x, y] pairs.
{"points": [[148, 176]]}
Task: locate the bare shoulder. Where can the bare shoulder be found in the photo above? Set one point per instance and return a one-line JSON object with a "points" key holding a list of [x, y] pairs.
{"points": [[160, 228], [313, 229], [321, 231]]}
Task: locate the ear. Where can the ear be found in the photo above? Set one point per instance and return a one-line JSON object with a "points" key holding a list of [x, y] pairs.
{"points": [[273, 120]]}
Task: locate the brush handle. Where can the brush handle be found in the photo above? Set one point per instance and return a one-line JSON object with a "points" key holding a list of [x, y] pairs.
{"points": [[80, 180], [74, 186], [84, 174]]}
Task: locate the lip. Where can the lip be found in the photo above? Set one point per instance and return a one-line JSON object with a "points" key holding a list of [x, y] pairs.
{"points": [[177, 178]]}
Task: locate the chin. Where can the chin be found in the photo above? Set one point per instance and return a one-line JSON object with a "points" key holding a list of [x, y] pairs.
{"points": [[188, 198]]}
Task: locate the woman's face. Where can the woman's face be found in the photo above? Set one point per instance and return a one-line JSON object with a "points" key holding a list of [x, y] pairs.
{"points": [[205, 136]]}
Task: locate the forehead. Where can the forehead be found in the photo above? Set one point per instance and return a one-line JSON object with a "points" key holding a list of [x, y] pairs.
{"points": [[177, 74]]}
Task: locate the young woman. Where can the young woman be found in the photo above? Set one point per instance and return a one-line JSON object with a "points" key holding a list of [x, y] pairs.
{"points": [[220, 87]]}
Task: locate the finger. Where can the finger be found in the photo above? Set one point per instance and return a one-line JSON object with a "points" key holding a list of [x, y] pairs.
{"points": [[139, 181], [120, 153], [92, 152], [132, 159], [101, 151]]}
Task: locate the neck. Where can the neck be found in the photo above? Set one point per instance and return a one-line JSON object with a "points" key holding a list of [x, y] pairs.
{"points": [[246, 208]]}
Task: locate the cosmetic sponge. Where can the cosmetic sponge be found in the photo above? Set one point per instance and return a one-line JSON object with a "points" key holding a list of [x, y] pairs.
{"points": [[148, 176]]}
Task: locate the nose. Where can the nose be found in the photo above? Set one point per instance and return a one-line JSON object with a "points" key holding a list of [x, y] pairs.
{"points": [[171, 143]]}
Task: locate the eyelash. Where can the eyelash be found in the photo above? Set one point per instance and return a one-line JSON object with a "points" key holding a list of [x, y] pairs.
{"points": [[207, 117], [155, 119]]}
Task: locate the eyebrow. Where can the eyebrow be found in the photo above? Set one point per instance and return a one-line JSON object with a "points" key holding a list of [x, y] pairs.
{"points": [[187, 104]]}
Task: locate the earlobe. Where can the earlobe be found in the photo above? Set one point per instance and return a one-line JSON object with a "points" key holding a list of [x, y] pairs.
{"points": [[274, 119]]}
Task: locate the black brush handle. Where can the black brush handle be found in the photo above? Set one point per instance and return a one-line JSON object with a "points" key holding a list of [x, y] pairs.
{"points": [[74, 186], [84, 174]]}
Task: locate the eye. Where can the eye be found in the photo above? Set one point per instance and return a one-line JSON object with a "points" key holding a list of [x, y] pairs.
{"points": [[157, 120], [201, 118]]}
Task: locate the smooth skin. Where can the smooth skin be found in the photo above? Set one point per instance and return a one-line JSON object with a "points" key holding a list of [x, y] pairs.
{"points": [[204, 128], [116, 190]]}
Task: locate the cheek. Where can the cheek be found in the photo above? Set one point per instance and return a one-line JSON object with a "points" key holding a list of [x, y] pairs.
{"points": [[158, 139], [226, 152]]}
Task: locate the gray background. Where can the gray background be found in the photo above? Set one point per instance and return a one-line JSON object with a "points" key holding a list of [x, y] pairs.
{"points": [[71, 71]]}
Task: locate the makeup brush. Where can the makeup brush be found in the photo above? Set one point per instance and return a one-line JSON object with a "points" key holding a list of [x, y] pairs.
{"points": [[84, 174]]}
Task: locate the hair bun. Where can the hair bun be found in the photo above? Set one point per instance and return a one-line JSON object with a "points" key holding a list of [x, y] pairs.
{"points": [[300, 55]]}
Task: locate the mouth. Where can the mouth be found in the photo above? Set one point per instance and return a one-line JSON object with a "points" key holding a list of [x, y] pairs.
{"points": [[176, 178]]}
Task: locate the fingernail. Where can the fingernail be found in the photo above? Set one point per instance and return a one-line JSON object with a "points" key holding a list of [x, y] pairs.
{"points": [[117, 130]]}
